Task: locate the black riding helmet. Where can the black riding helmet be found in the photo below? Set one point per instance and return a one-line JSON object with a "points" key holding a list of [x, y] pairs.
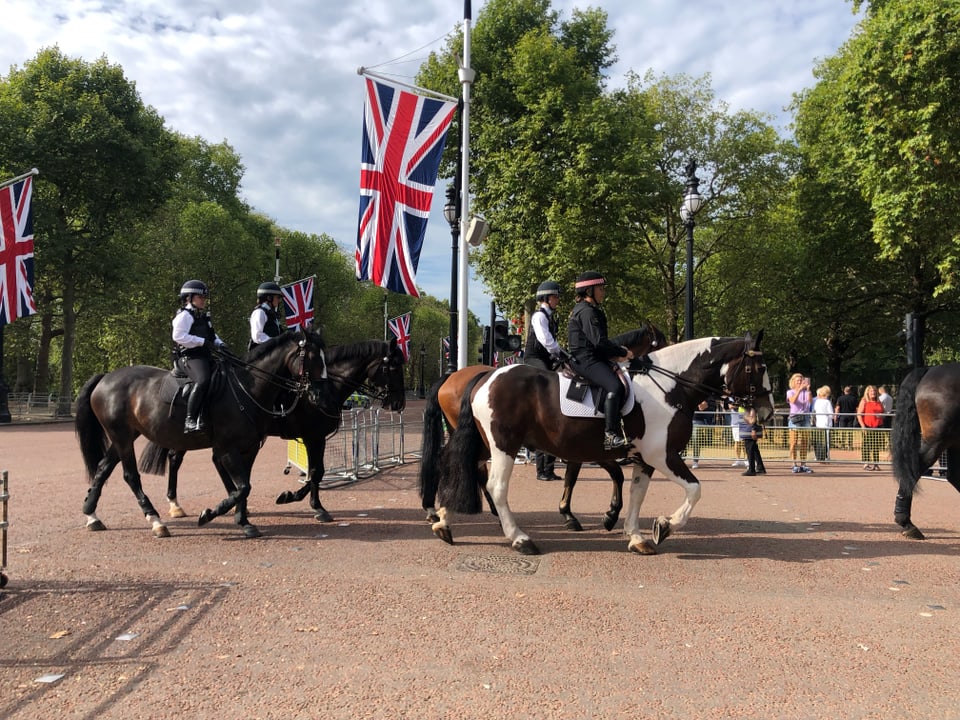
{"points": [[547, 288], [191, 288], [268, 288]]}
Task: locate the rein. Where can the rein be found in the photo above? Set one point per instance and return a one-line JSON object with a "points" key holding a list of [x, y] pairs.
{"points": [[298, 387]]}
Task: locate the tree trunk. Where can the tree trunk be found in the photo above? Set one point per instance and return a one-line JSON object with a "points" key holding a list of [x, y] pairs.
{"points": [[69, 339]]}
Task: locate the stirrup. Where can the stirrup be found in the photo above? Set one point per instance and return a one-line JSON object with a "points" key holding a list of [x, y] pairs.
{"points": [[191, 426], [614, 441]]}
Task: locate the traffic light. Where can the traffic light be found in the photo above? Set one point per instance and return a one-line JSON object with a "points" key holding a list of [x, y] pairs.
{"points": [[502, 339], [486, 356], [911, 340]]}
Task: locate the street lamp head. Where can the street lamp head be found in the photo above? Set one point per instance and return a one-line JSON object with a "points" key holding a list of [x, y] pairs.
{"points": [[692, 202], [450, 211]]}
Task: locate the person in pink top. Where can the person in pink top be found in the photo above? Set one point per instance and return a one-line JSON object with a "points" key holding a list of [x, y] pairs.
{"points": [[799, 421]]}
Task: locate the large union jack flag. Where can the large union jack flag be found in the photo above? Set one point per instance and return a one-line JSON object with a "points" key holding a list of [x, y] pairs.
{"points": [[298, 303], [16, 251], [403, 138], [400, 327]]}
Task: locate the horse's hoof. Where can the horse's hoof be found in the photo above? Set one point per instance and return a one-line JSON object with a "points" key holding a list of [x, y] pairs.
{"points": [[573, 524], [205, 517], [661, 530], [610, 521], [443, 532], [323, 516], [161, 531], [526, 547], [913, 532], [177, 512], [96, 526], [642, 547], [286, 497], [251, 531]]}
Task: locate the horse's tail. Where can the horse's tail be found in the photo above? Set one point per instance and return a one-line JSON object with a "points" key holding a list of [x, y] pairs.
{"points": [[153, 459], [432, 445], [459, 464], [905, 434], [90, 434]]}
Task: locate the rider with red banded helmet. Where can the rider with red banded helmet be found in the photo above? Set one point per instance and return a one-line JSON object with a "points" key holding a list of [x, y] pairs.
{"points": [[194, 339], [593, 352]]}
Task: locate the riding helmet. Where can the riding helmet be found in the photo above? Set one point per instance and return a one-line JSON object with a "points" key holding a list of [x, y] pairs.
{"points": [[589, 279], [268, 288], [193, 287], [548, 288]]}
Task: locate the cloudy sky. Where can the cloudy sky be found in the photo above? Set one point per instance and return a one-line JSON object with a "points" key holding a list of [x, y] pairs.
{"points": [[278, 79]]}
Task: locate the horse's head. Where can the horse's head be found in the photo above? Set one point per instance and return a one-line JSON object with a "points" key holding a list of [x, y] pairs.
{"points": [[387, 376], [307, 362], [747, 381], [643, 340]]}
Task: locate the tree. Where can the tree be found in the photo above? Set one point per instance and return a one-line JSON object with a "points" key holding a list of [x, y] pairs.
{"points": [[105, 160]]}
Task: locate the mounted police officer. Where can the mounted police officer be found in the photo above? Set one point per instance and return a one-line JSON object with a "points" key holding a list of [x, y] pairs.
{"points": [[543, 351], [195, 339], [593, 352], [265, 318]]}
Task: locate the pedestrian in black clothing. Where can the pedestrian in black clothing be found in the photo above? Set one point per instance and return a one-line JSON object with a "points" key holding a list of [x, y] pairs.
{"points": [[750, 433]]}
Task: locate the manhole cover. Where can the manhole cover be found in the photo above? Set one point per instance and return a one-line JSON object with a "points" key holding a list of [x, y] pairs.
{"points": [[501, 564]]}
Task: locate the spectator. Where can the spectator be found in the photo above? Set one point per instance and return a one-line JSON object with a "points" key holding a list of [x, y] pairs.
{"points": [[704, 419], [799, 421], [823, 416], [847, 416], [870, 417], [736, 417], [887, 402], [750, 434]]}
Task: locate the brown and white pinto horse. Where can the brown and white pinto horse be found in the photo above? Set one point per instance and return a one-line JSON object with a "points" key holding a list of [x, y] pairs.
{"points": [[450, 390], [518, 405]]}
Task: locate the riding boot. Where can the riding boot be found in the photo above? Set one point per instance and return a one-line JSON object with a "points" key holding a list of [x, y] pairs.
{"points": [[192, 423], [613, 438]]}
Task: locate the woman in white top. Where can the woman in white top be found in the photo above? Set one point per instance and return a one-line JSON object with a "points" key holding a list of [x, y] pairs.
{"points": [[823, 416]]}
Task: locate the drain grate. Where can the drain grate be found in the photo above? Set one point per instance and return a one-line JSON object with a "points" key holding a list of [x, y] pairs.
{"points": [[499, 564]]}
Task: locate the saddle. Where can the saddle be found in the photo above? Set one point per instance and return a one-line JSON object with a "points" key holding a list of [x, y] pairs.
{"points": [[578, 398], [177, 385]]}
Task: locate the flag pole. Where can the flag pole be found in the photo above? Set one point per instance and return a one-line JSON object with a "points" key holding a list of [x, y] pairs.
{"points": [[363, 72], [466, 75], [18, 178], [276, 275]]}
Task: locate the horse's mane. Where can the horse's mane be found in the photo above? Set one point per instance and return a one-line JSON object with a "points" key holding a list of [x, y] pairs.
{"points": [[635, 337], [264, 349], [355, 351], [728, 347]]}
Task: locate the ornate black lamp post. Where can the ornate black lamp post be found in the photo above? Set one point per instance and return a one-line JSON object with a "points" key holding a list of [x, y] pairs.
{"points": [[451, 213], [422, 391], [692, 201]]}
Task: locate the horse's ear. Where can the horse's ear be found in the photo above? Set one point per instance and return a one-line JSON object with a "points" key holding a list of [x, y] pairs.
{"points": [[756, 344], [748, 342]]}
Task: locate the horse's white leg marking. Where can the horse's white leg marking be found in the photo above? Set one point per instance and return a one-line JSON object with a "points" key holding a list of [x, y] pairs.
{"points": [[682, 513], [92, 518], [638, 491]]}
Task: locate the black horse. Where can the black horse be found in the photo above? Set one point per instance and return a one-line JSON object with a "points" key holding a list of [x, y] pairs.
{"points": [[114, 409], [926, 424], [374, 366]]}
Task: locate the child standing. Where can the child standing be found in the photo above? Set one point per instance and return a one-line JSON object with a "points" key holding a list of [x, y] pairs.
{"points": [[750, 433]]}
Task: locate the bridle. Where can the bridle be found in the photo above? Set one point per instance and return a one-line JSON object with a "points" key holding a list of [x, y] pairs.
{"points": [[751, 366], [299, 385]]}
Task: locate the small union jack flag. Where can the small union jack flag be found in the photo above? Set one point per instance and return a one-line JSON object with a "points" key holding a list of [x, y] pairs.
{"points": [[298, 303], [400, 327], [16, 251], [446, 347], [403, 138]]}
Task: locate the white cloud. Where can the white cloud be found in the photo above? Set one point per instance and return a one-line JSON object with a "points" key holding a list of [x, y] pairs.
{"points": [[278, 79]]}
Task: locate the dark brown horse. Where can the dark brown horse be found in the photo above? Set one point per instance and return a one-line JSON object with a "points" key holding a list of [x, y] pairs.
{"points": [[926, 424], [451, 390], [374, 366], [519, 405], [114, 409]]}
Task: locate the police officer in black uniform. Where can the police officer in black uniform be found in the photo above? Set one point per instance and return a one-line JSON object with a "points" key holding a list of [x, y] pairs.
{"points": [[265, 318], [194, 339], [543, 351], [593, 352]]}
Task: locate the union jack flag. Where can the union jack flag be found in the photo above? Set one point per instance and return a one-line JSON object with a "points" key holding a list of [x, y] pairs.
{"points": [[403, 138], [446, 347], [400, 327], [298, 303], [16, 251]]}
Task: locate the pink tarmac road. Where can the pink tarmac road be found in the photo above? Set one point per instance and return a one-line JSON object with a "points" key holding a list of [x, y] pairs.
{"points": [[785, 597]]}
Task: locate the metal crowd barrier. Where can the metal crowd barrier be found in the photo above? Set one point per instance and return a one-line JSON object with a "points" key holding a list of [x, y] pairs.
{"points": [[368, 441], [4, 524]]}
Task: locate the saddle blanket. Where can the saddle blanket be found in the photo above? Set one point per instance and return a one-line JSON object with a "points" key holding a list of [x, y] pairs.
{"points": [[587, 407]]}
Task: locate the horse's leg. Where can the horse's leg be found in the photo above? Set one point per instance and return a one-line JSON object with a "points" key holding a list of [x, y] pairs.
{"points": [[928, 455], [106, 465], [174, 461], [237, 469], [677, 471], [570, 476], [132, 477], [501, 467], [616, 498], [315, 451], [639, 484]]}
